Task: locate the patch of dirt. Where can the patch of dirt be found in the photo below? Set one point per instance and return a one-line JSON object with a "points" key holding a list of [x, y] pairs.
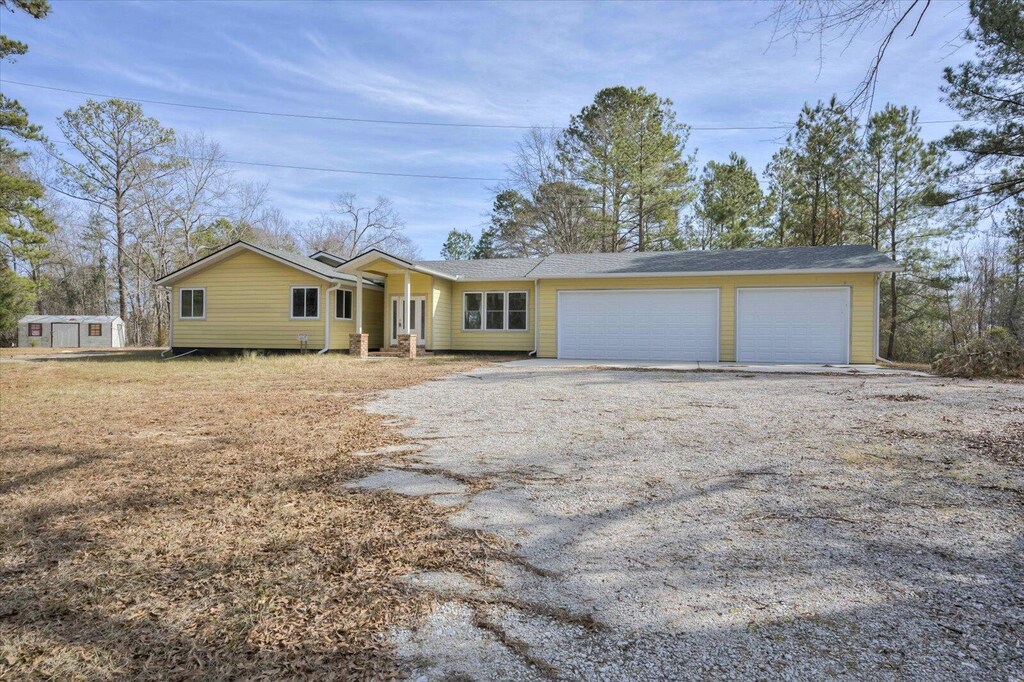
{"points": [[901, 397], [1005, 447]]}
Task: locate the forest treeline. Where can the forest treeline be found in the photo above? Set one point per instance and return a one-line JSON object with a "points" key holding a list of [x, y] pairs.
{"points": [[91, 218]]}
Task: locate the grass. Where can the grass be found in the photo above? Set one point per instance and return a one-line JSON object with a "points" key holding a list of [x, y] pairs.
{"points": [[189, 518]]}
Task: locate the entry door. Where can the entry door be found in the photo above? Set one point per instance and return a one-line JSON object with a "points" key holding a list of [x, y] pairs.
{"points": [[64, 335], [417, 318]]}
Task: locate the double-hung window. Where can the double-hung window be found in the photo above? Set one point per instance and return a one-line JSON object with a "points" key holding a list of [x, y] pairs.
{"points": [[192, 304], [343, 305], [95, 329], [305, 303], [35, 329], [494, 311]]}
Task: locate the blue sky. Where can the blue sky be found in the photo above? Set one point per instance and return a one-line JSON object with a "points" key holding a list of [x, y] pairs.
{"points": [[484, 63]]}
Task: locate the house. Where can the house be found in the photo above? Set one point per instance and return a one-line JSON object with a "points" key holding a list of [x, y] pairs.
{"points": [[71, 331], [794, 304]]}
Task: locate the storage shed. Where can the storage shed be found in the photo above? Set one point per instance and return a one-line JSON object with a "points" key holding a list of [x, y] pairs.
{"points": [[71, 331]]}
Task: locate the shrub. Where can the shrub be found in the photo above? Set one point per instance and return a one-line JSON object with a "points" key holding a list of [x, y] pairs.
{"points": [[993, 354]]}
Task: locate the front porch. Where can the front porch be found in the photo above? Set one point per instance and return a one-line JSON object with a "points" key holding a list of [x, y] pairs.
{"points": [[414, 319]]}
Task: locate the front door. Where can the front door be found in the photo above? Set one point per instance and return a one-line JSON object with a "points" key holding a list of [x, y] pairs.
{"points": [[64, 335], [417, 318]]}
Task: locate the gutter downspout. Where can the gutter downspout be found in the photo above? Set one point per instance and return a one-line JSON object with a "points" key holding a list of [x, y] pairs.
{"points": [[536, 318], [878, 327], [327, 319]]}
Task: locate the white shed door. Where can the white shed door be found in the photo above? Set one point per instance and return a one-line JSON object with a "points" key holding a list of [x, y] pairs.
{"points": [[632, 324], [793, 324], [64, 335]]}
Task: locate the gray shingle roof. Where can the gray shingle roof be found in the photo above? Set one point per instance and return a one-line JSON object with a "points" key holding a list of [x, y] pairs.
{"points": [[484, 268], [68, 318], [650, 262], [302, 261], [796, 258]]}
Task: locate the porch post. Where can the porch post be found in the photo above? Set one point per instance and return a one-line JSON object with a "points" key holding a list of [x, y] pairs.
{"points": [[359, 302], [408, 301]]}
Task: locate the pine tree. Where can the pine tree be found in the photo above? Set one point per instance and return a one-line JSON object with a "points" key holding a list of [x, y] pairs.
{"points": [[458, 246], [989, 89], [729, 207]]}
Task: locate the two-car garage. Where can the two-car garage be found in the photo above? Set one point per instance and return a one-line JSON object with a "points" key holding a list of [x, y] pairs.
{"points": [[772, 324]]}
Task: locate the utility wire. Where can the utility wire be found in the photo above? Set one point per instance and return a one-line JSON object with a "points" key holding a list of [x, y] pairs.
{"points": [[315, 168], [345, 119]]}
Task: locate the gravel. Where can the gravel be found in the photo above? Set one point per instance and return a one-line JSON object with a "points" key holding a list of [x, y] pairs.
{"points": [[680, 525]]}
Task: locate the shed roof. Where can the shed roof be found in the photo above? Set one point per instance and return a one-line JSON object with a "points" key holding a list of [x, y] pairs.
{"points": [[69, 318]]}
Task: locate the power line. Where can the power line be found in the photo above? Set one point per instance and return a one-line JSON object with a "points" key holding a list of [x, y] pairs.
{"points": [[345, 119], [326, 170], [349, 119]]}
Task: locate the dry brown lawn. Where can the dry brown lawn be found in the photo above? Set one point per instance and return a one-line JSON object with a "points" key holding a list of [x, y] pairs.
{"points": [[188, 518]]}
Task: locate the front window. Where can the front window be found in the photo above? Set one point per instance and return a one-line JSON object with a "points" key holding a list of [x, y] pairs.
{"points": [[35, 329], [193, 304], [517, 310], [95, 329], [495, 311], [495, 314], [305, 303], [343, 305], [473, 311]]}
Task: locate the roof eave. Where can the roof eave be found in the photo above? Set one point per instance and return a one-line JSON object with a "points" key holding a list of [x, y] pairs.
{"points": [[722, 273], [353, 265], [223, 253]]}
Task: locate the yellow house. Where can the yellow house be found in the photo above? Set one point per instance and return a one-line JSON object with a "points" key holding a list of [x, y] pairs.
{"points": [[794, 304]]}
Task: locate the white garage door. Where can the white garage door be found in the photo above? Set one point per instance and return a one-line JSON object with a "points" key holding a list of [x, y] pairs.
{"points": [[64, 335], [663, 324], [793, 324]]}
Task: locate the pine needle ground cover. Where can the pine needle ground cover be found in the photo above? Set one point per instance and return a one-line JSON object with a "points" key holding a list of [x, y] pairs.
{"points": [[189, 518]]}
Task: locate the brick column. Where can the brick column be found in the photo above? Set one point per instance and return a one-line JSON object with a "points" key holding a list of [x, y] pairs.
{"points": [[359, 345], [407, 345]]}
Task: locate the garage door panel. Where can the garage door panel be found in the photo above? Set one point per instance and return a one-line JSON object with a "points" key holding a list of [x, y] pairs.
{"points": [[793, 324], [638, 324]]}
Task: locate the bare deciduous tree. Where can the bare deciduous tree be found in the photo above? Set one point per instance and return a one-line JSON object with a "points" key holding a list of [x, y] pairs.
{"points": [[349, 228]]}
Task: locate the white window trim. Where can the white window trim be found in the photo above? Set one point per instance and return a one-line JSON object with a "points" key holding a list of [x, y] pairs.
{"points": [[291, 301], [181, 291], [338, 297], [483, 312]]}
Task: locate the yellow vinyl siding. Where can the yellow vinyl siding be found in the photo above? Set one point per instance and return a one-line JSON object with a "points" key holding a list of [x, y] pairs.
{"points": [[441, 305], [248, 305], [862, 285], [491, 340], [373, 319]]}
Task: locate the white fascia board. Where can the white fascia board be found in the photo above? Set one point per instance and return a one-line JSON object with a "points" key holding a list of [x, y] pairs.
{"points": [[356, 264], [218, 256]]}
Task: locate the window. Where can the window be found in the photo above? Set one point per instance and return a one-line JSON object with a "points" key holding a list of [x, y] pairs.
{"points": [[343, 305], [95, 329], [35, 329], [473, 309], [305, 303], [517, 310], [193, 304], [495, 311]]}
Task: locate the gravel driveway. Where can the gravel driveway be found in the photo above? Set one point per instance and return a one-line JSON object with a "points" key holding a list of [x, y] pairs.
{"points": [[684, 525]]}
